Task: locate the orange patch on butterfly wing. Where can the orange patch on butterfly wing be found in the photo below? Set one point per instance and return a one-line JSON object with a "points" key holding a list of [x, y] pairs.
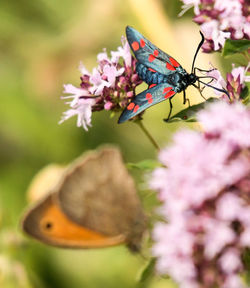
{"points": [[174, 62], [135, 46], [47, 223], [151, 58], [167, 89], [150, 100], [131, 106], [148, 96], [136, 108], [152, 85], [142, 42], [156, 52], [170, 67], [169, 94]]}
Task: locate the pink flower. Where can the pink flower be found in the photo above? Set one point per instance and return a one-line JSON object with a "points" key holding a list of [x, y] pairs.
{"points": [[204, 187], [235, 82], [110, 86], [108, 105], [234, 128], [189, 4], [219, 81], [220, 20], [111, 72], [123, 52], [83, 111], [230, 261], [212, 32], [233, 281], [79, 106]]}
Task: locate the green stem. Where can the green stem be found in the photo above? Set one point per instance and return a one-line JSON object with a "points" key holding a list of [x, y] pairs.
{"points": [[149, 136]]}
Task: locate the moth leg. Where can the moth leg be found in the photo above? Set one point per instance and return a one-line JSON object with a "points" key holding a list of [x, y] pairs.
{"points": [[200, 90], [184, 97], [170, 111]]}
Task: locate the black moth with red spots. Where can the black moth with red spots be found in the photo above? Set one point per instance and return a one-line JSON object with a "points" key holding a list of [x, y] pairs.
{"points": [[164, 75]]}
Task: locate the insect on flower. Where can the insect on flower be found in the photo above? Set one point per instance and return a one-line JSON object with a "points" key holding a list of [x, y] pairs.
{"points": [[164, 75]]}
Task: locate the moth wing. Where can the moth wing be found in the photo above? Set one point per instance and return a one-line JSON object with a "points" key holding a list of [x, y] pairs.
{"points": [[150, 55], [48, 224], [146, 99]]}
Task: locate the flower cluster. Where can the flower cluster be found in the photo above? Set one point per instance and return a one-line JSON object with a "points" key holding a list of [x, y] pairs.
{"points": [[220, 20], [235, 82], [110, 86], [205, 189]]}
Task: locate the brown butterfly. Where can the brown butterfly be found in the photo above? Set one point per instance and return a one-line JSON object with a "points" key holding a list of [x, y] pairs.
{"points": [[95, 204]]}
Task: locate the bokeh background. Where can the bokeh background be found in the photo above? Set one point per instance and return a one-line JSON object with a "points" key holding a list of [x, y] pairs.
{"points": [[41, 45]]}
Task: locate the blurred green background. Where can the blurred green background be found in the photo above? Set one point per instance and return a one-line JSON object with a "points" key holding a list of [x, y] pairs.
{"points": [[42, 43]]}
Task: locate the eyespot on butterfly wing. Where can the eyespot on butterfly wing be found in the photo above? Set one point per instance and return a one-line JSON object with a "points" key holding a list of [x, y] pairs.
{"points": [[94, 205], [48, 224]]}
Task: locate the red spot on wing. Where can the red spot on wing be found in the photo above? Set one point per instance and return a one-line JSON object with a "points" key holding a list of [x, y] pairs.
{"points": [[169, 94], [131, 106], [152, 85], [135, 46], [170, 67], [148, 96], [156, 52], [174, 62], [151, 58], [167, 89], [152, 70], [150, 100], [136, 108], [142, 42]]}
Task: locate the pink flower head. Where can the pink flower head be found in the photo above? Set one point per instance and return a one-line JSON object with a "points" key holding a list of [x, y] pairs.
{"points": [[235, 82], [218, 82], [83, 111], [122, 52], [220, 20], [110, 86], [204, 187]]}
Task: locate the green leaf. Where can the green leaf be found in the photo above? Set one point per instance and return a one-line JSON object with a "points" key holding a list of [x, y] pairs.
{"points": [[235, 46], [189, 114], [245, 95], [112, 114], [147, 271], [148, 164]]}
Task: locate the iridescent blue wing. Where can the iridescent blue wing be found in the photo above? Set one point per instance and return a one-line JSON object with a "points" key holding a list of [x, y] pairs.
{"points": [[150, 55], [146, 99]]}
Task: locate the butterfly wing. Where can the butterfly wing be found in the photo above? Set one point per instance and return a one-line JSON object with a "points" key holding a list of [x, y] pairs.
{"points": [[98, 193], [147, 99], [48, 224], [150, 55]]}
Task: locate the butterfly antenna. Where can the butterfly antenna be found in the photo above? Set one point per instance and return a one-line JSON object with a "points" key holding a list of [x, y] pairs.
{"points": [[218, 89], [197, 50]]}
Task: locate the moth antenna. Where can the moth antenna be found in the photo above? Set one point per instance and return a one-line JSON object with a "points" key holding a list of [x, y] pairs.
{"points": [[218, 89], [88, 97], [197, 50]]}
